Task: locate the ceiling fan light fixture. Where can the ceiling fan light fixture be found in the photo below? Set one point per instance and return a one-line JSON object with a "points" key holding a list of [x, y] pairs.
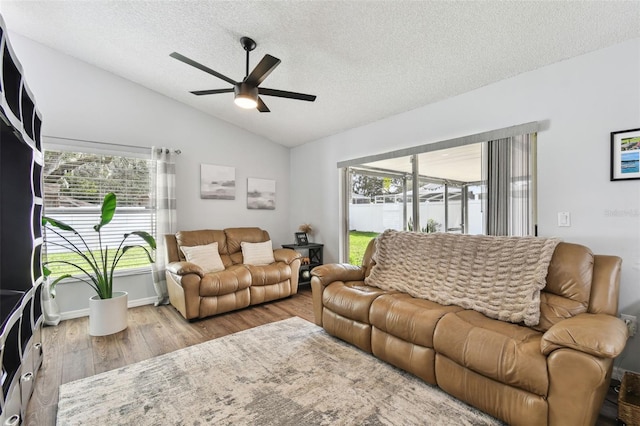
{"points": [[246, 96], [246, 92], [245, 102]]}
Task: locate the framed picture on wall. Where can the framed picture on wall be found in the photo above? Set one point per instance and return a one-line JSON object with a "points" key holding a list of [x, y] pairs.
{"points": [[625, 154], [261, 194], [301, 239], [217, 182]]}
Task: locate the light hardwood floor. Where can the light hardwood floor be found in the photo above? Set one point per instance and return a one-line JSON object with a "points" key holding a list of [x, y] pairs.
{"points": [[71, 354]]}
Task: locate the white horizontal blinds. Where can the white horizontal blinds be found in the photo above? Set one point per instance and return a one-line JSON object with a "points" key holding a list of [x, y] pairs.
{"points": [[75, 184]]}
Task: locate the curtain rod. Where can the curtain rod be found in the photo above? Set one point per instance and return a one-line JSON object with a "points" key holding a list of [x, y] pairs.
{"points": [[175, 151], [167, 151]]}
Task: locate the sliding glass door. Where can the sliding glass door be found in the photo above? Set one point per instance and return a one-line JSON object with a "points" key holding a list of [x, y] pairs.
{"points": [[377, 200], [472, 188]]}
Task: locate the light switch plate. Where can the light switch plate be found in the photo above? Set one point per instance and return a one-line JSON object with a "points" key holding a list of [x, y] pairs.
{"points": [[564, 219]]}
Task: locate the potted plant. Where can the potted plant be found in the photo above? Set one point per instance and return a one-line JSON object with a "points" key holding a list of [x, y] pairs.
{"points": [[107, 309]]}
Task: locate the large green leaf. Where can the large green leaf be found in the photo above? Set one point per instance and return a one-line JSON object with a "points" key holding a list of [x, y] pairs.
{"points": [[57, 280], [127, 248], [145, 236], [108, 210], [57, 224]]}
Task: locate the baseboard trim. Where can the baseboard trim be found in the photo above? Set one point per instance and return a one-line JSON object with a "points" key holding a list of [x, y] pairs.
{"points": [[85, 312]]}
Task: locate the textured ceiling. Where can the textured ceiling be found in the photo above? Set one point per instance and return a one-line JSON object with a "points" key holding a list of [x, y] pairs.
{"points": [[364, 60]]}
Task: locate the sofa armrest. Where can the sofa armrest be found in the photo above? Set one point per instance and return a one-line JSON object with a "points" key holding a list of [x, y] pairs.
{"points": [[329, 273], [286, 255], [323, 275], [184, 268], [599, 335]]}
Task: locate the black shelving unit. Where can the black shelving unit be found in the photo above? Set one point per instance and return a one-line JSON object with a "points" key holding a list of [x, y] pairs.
{"points": [[21, 162], [314, 253]]}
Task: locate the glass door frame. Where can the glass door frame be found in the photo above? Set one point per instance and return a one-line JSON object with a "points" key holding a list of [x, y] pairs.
{"points": [[345, 178]]}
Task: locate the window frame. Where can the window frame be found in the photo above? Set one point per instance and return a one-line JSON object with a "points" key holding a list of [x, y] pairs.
{"points": [[103, 149]]}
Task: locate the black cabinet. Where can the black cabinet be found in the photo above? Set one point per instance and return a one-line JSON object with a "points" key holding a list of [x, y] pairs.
{"points": [[21, 162], [311, 256]]}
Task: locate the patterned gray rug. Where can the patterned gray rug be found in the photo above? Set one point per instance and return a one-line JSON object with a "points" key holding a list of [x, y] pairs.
{"points": [[286, 373]]}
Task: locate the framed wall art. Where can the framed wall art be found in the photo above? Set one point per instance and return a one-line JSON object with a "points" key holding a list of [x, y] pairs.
{"points": [[217, 182], [261, 194], [625, 154]]}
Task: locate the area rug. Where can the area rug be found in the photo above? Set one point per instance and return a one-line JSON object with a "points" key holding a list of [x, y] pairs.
{"points": [[289, 372]]}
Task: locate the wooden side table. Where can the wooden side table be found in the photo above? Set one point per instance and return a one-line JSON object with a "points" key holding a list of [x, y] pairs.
{"points": [[314, 253]]}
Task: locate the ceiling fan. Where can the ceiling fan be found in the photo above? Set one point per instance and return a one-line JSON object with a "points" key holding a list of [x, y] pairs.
{"points": [[247, 91]]}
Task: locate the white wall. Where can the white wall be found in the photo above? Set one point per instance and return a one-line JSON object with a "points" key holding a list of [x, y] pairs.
{"points": [[580, 101], [80, 101]]}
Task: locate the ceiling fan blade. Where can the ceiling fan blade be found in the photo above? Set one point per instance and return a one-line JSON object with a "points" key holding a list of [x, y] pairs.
{"points": [[201, 67], [285, 94], [262, 70], [212, 92], [262, 107]]}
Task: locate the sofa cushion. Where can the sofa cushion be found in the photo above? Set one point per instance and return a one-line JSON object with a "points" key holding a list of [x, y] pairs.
{"points": [[235, 236], [505, 352], [257, 253], [513, 406], [266, 293], [416, 359], [201, 238], [206, 257], [568, 287], [269, 274], [411, 319], [232, 279], [351, 299], [225, 303]]}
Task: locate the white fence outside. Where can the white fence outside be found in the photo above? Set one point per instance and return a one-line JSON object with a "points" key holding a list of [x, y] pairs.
{"points": [[378, 217]]}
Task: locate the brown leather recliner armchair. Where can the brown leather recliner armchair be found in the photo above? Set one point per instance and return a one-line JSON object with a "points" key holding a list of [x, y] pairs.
{"points": [[555, 373], [196, 294]]}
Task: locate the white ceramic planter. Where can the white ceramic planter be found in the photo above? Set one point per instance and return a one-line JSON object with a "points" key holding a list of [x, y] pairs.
{"points": [[108, 316]]}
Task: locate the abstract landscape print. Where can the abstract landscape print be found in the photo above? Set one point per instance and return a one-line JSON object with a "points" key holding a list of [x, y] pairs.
{"points": [[261, 194], [217, 182]]}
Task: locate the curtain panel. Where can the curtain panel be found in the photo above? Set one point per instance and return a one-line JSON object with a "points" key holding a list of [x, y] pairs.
{"points": [[164, 201], [508, 173]]}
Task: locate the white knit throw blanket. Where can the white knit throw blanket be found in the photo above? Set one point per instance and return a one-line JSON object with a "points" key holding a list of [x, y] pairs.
{"points": [[500, 277]]}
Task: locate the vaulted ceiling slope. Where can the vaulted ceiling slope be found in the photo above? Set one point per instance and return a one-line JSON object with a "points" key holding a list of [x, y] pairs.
{"points": [[365, 60]]}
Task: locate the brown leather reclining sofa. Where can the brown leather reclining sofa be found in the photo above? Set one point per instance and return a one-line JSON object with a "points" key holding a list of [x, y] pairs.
{"points": [[556, 373], [196, 294]]}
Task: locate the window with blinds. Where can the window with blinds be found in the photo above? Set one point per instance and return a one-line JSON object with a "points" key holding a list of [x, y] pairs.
{"points": [[75, 184]]}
